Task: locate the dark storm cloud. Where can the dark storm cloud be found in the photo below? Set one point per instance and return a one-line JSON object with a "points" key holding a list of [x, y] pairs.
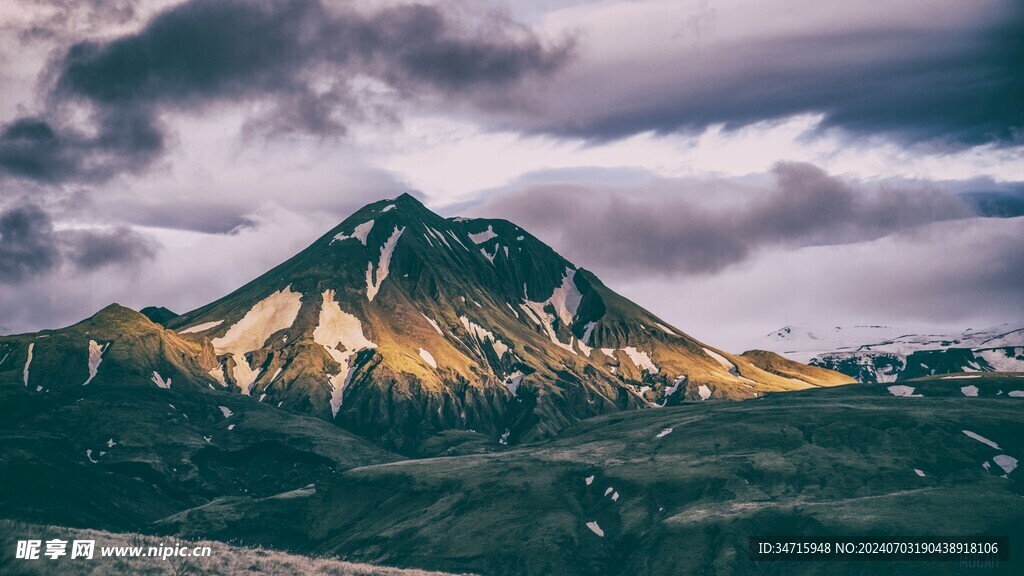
{"points": [[92, 249], [946, 81], [671, 231], [27, 245], [296, 56], [30, 246]]}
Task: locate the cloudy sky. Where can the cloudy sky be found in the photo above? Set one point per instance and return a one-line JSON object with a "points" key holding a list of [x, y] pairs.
{"points": [[733, 166]]}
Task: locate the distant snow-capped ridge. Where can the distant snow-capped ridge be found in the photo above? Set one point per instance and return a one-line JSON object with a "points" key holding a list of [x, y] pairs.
{"points": [[880, 353]]}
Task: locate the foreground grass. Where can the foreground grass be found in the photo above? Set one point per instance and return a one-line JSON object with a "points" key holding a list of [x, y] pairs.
{"points": [[224, 558]]}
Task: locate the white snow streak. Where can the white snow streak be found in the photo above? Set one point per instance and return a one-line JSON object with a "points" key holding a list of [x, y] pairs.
{"points": [[704, 392], [595, 528], [664, 433], [373, 281], [433, 324], [969, 390], [919, 472], [725, 363], [665, 329], [95, 357], [201, 327], [28, 362], [483, 335], [981, 439], [226, 411]]}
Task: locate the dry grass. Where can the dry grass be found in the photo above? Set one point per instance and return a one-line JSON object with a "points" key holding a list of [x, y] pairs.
{"points": [[224, 558]]}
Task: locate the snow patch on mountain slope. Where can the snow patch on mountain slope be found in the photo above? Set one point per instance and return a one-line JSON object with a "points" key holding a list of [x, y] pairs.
{"points": [[218, 375], [341, 336], [484, 335], [337, 327], [665, 329], [387, 208], [226, 411], [595, 528], [481, 237], [588, 331], [981, 439], [725, 363], [584, 348], [374, 280], [490, 257], [969, 390], [564, 300], [360, 232], [513, 380], [903, 391], [28, 363], [275, 312], [664, 433], [1007, 463], [95, 357], [159, 380], [245, 376], [428, 358], [201, 327], [641, 359], [704, 392]]}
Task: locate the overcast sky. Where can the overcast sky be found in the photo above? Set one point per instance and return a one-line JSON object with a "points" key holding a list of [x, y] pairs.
{"points": [[732, 166]]}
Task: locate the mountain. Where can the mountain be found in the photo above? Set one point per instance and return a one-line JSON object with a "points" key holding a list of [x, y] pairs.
{"points": [[158, 314], [399, 324], [116, 422], [889, 354]]}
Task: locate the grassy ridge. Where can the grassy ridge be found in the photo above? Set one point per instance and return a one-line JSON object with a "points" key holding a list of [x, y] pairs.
{"points": [[837, 461]]}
